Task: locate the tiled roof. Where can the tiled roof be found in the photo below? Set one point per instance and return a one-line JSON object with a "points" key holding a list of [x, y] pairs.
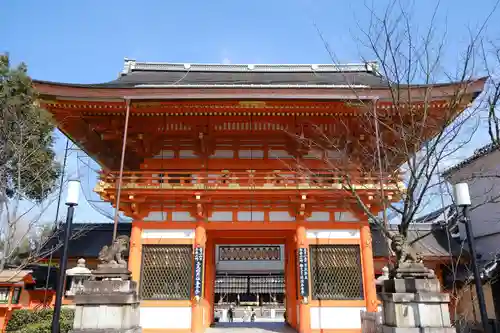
{"points": [[157, 74], [88, 239], [478, 153], [13, 275], [430, 240], [446, 214]]}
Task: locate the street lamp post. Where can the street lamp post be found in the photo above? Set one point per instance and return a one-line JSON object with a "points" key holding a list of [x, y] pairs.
{"points": [[462, 199], [71, 202]]}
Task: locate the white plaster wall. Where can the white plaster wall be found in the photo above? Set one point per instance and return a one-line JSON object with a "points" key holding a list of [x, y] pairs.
{"points": [[336, 317], [166, 317], [250, 266], [168, 234], [488, 246], [156, 216], [486, 217], [319, 217], [332, 234], [345, 217]]}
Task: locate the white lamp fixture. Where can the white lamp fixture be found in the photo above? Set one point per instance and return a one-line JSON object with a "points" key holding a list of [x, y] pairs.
{"points": [[73, 193], [462, 197]]}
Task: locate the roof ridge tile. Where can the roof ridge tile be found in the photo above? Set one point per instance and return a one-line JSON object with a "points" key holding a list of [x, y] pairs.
{"points": [[131, 65]]}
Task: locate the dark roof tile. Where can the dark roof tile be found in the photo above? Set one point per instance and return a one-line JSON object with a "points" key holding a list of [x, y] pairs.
{"points": [[430, 240], [137, 74], [88, 239], [189, 78], [478, 153]]}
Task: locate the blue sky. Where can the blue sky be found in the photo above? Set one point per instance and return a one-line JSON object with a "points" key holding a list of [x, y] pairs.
{"points": [[86, 41]]}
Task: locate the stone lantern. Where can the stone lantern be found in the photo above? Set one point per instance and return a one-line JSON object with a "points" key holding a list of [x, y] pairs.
{"points": [[77, 275], [385, 276]]}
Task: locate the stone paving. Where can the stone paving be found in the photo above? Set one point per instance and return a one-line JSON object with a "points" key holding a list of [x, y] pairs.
{"points": [[260, 326]]}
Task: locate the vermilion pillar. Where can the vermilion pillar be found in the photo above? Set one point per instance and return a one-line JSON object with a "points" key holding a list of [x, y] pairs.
{"points": [[209, 278], [134, 258], [200, 239], [291, 282], [304, 311], [368, 269]]}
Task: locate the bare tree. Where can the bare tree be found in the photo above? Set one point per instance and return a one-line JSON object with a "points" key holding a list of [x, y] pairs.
{"points": [[400, 140], [491, 57]]}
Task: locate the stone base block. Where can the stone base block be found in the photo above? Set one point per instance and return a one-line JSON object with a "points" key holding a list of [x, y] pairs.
{"points": [[412, 286], [131, 330], [107, 292], [107, 271], [424, 309], [106, 317], [413, 270], [415, 298], [107, 306], [389, 329]]}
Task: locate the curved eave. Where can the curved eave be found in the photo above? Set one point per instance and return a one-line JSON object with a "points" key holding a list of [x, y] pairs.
{"points": [[317, 92]]}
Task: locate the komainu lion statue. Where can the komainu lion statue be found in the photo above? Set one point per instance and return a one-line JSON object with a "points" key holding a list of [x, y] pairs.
{"points": [[113, 255], [403, 251]]}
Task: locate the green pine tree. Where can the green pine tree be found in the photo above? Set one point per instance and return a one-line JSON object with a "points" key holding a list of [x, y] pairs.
{"points": [[28, 169]]}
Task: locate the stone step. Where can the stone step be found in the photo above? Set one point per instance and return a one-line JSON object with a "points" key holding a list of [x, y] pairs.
{"points": [[246, 327]]}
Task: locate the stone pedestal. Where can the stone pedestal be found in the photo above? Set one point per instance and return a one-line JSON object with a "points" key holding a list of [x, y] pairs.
{"points": [[415, 303], [111, 272], [107, 304]]}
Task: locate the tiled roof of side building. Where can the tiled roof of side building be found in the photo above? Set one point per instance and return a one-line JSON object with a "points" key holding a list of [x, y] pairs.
{"points": [[164, 75], [446, 215], [87, 239], [430, 240], [478, 153]]}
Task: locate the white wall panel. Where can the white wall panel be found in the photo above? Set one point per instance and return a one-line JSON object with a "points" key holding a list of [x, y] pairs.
{"points": [[166, 317], [168, 234], [333, 233], [336, 317]]}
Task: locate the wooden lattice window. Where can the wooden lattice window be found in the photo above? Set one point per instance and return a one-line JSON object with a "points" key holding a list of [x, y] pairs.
{"points": [[166, 272], [16, 295], [336, 272], [4, 295]]}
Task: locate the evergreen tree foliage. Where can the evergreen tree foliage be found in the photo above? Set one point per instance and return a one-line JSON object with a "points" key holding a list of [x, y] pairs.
{"points": [[28, 169]]}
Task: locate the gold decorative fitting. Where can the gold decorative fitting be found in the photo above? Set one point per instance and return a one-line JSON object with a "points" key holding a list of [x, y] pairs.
{"points": [[253, 104], [101, 186]]}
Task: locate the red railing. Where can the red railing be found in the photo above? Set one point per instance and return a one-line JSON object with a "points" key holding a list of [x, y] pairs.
{"points": [[247, 179]]}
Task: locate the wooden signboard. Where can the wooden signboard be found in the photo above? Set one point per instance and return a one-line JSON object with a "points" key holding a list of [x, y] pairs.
{"points": [[198, 272], [303, 272]]}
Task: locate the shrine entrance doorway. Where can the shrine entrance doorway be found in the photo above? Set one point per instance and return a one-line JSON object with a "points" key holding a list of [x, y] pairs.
{"points": [[251, 272]]}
